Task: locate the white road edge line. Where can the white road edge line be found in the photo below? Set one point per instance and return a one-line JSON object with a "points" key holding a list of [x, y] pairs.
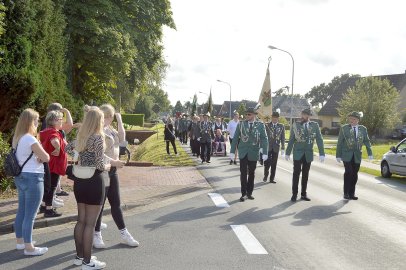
{"points": [[286, 170], [218, 200], [248, 240]]}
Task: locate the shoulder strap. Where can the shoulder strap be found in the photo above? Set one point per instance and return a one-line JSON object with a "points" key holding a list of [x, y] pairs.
{"points": [[25, 162]]}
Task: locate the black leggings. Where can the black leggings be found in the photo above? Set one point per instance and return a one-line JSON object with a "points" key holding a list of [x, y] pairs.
{"points": [[173, 145], [113, 195], [49, 192]]}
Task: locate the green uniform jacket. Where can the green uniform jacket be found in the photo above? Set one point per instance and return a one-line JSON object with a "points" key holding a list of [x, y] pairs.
{"points": [[347, 146], [302, 142], [250, 142]]}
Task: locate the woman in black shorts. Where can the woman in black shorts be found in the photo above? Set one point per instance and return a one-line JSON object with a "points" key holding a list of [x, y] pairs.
{"points": [[89, 193]]}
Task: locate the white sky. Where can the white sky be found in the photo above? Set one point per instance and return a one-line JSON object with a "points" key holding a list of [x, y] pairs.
{"points": [[228, 40]]}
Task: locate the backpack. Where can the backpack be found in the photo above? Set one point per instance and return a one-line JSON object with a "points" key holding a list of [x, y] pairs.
{"points": [[11, 166]]}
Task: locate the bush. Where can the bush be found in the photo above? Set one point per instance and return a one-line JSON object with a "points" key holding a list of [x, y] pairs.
{"points": [[6, 182], [133, 119]]}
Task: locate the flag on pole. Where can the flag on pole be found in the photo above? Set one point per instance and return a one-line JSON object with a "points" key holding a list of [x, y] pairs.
{"points": [[265, 98]]}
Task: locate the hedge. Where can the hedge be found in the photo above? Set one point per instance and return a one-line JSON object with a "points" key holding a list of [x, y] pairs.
{"points": [[133, 119]]}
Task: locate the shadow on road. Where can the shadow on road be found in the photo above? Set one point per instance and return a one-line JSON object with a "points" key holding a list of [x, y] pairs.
{"points": [[187, 214], [320, 212], [254, 215]]}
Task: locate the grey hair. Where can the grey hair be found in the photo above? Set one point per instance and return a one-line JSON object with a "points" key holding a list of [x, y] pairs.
{"points": [[52, 117], [54, 107]]}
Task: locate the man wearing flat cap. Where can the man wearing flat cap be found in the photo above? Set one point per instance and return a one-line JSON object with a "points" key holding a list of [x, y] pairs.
{"points": [[276, 140], [250, 136], [349, 150], [206, 137], [301, 140]]}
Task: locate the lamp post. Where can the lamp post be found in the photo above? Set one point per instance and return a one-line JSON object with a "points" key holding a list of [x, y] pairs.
{"points": [[293, 74], [229, 85]]}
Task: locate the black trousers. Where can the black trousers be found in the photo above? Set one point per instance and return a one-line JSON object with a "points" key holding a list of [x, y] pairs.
{"points": [[49, 192], [350, 176], [183, 137], [195, 145], [173, 146], [113, 195], [300, 166], [271, 163], [247, 169], [205, 150]]}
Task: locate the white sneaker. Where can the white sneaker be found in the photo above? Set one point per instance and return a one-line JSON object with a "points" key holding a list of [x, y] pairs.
{"points": [[93, 264], [22, 246], [103, 226], [78, 261], [126, 238], [57, 204], [56, 198], [38, 251], [98, 241]]}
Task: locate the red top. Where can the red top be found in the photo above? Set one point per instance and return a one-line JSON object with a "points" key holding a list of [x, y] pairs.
{"points": [[57, 164]]}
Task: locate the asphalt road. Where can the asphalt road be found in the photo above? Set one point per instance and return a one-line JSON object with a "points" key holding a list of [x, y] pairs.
{"points": [[269, 232]]}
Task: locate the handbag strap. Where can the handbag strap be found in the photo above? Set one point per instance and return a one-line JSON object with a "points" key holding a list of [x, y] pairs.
{"points": [[25, 162]]}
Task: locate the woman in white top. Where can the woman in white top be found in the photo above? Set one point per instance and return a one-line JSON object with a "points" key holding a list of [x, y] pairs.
{"points": [[232, 126], [113, 140], [29, 183]]}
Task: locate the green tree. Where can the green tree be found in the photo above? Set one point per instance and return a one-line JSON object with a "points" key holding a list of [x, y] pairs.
{"points": [[178, 108], [319, 94], [194, 105], [210, 103], [242, 108], [378, 100], [32, 72], [144, 106], [2, 9]]}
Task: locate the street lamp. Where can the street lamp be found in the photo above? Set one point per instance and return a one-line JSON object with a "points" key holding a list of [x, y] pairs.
{"points": [[229, 85], [293, 74]]}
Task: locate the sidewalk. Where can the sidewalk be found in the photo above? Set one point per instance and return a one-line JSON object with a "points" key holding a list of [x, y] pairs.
{"points": [[139, 186]]}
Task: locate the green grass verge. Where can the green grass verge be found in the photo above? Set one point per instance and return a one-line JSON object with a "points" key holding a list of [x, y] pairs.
{"points": [[154, 150], [398, 178]]}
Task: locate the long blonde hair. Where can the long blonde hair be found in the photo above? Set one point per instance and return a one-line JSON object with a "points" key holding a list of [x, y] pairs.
{"points": [[25, 124], [108, 110], [92, 124]]}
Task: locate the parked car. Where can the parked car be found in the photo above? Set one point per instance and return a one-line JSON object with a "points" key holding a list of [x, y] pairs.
{"points": [[394, 161], [399, 133]]}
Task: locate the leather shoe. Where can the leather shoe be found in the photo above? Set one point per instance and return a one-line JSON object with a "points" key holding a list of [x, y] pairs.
{"points": [[231, 161], [354, 198], [294, 198], [208, 161], [242, 199], [272, 181], [305, 198], [202, 161], [235, 162], [250, 197], [346, 196], [265, 179]]}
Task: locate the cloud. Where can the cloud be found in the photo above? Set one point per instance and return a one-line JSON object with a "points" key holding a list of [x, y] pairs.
{"points": [[323, 59]]}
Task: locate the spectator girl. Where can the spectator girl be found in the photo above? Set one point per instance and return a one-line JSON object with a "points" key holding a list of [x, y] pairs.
{"points": [[113, 140], [89, 193], [29, 183]]}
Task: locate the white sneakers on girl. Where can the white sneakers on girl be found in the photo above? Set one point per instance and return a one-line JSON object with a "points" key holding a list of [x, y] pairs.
{"points": [[93, 264], [78, 261], [98, 240], [22, 246], [126, 238], [38, 251]]}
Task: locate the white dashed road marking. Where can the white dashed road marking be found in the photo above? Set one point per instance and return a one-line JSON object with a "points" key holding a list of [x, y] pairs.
{"points": [[248, 240], [218, 200]]}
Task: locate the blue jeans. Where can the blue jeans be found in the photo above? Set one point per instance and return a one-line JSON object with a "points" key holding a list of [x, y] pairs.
{"points": [[30, 188]]}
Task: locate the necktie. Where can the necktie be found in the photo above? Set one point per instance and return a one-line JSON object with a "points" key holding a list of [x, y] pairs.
{"points": [[250, 127], [305, 129], [355, 133]]}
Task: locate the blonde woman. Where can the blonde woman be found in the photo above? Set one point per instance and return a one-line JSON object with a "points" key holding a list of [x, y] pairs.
{"points": [[89, 193], [113, 140], [29, 183]]}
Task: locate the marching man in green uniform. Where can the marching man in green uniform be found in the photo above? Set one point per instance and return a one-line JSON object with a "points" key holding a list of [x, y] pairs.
{"points": [[250, 135], [301, 140], [349, 150], [276, 140]]}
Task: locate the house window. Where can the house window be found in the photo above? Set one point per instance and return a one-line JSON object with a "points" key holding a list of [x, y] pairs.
{"points": [[335, 124]]}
